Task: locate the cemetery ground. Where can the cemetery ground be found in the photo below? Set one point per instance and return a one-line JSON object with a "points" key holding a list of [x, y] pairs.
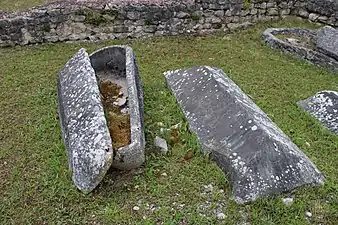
{"points": [[35, 182]]}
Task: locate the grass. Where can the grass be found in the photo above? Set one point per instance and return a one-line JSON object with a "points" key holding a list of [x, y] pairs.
{"points": [[9, 5], [35, 181]]}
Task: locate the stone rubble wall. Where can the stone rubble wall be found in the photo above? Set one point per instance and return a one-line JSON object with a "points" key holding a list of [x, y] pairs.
{"points": [[97, 20], [322, 11]]}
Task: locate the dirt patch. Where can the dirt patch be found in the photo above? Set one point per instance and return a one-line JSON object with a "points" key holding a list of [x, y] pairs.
{"points": [[115, 104], [297, 40]]}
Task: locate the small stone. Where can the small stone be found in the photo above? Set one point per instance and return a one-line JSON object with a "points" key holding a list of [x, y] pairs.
{"points": [[164, 174], [136, 187], [161, 144], [221, 216], [292, 40], [160, 124], [221, 191], [152, 207], [308, 214], [181, 206], [313, 16], [208, 188], [136, 208], [120, 101], [308, 144], [176, 126], [287, 201], [163, 130]]}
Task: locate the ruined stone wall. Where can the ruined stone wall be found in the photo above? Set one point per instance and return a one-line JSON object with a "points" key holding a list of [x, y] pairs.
{"points": [[111, 19], [322, 11]]}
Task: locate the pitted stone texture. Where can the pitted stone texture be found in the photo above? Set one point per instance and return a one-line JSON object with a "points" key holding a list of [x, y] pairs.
{"points": [[327, 41], [324, 107], [310, 54], [84, 128], [121, 61], [259, 158]]}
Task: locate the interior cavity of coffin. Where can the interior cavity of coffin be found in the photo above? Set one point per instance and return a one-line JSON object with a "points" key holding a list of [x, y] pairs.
{"points": [[118, 64], [302, 43], [82, 115]]}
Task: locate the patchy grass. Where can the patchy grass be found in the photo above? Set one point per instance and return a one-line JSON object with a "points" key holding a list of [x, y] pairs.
{"points": [[35, 181], [10, 5]]}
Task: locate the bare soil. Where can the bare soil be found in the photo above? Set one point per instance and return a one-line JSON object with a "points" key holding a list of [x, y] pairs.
{"points": [[118, 122], [305, 42]]}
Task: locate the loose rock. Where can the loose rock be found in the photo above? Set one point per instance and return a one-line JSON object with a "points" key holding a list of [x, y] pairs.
{"points": [[136, 208], [161, 144], [221, 216], [287, 201]]}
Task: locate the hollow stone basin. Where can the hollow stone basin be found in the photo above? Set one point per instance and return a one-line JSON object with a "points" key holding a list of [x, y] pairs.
{"points": [[316, 46], [84, 126]]}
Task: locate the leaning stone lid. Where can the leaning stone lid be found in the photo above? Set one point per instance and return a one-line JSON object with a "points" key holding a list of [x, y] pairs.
{"points": [[84, 128]]}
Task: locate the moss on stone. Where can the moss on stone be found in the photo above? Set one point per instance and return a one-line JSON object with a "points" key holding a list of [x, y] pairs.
{"points": [[195, 17], [92, 17]]}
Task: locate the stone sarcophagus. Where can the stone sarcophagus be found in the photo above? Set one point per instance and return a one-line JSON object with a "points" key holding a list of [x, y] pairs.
{"points": [[319, 47], [100, 103], [259, 159]]}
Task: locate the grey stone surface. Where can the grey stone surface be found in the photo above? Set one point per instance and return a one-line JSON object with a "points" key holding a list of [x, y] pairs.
{"points": [[97, 20], [300, 49], [121, 62], [324, 107], [83, 123], [258, 157], [161, 144], [84, 126], [327, 41]]}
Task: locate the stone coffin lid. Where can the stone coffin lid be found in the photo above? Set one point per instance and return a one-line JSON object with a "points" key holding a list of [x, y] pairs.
{"points": [[259, 158], [123, 58], [324, 107], [84, 127], [327, 41]]}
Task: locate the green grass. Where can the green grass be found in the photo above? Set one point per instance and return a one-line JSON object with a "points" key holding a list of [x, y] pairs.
{"points": [[10, 5], [35, 181]]}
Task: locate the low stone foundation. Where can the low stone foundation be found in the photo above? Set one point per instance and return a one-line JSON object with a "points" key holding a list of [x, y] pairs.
{"points": [[96, 20], [303, 44]]}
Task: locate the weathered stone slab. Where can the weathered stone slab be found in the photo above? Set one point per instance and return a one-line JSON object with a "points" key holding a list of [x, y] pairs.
{"points": [[327, 41], [259, 158], [121, 61], [324, 107], [84, 127]]}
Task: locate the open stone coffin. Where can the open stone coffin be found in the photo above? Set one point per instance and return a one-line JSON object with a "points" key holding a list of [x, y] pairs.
{"points": [[319, 47], [90, 118]]}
